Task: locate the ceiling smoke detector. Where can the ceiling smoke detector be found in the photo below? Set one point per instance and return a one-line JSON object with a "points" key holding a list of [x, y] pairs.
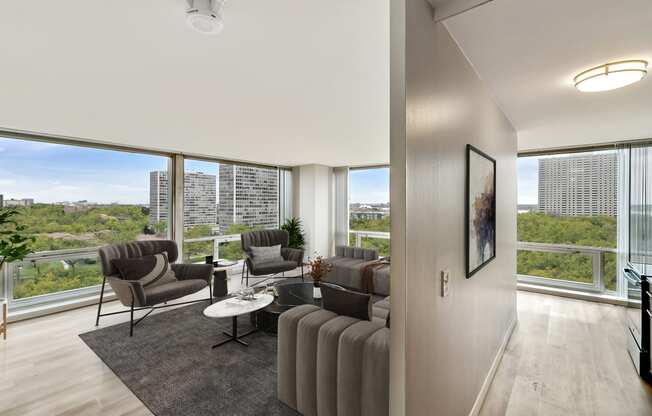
{"points": [[204, 16]]}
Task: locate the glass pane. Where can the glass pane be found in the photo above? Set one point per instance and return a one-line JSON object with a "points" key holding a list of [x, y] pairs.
{"points": [[369, 208], [558, 266], [380, 244], [199, 209], [75, 198], [223, 199], [45, 277], [231, 251], [569, 199]]}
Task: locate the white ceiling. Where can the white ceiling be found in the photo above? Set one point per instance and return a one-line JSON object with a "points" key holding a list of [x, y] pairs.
{"points": [[528, 51], [287, 82]]}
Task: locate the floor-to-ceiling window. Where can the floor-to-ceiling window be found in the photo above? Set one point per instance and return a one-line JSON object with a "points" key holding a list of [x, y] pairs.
{"points": [[567, 220], [73, 200], [223, 200], [369, 211]]}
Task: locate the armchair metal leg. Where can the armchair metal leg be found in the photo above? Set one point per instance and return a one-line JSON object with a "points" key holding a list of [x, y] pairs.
{"points": [[210, 292], [244, 264], [247, 276], [99, 305], [302, 272], [131, 320]]}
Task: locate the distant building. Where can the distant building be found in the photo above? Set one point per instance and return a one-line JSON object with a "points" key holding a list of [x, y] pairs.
{"points": [[24, 203], [584, 185], [527, 208], [368, 215], [1, 201], [199, 195], [248, 196]]}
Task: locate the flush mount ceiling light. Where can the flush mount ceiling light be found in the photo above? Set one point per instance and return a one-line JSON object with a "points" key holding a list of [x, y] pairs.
{"points": [[204, 16], [611, 76]]}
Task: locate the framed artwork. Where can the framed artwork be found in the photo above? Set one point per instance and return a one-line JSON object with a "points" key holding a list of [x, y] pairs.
{"points": [[480, 209]]}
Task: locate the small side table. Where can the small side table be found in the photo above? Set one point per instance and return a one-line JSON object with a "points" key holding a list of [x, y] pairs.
{"points": [[3, 325], [220, 288]]}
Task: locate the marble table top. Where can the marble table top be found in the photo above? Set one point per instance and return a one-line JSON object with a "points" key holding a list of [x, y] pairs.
{"points": [[234, 307]]}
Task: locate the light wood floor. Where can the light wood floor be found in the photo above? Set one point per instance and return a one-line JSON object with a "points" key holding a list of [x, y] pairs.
{"points": [[566, 357]]}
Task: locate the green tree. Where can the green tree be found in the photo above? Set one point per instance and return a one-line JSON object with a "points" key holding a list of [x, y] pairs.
{"points": [[15, 244]]}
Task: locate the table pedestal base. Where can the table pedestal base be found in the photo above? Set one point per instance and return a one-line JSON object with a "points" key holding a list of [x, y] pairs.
{"points": [[234, 335]]}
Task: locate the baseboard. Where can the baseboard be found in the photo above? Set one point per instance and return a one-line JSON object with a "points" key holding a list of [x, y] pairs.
{"points": [[479, 401]]}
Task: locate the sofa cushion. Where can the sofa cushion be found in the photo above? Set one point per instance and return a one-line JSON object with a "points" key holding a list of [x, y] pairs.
{"points": [[288, 324], [307, 347], [350, 367], [269, 267], [265, 254], [346, 302], [149, 270], [155, 294], [328, 343]]}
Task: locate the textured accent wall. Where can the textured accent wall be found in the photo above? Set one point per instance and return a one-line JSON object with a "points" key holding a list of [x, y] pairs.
{"points": [[439, 104]]}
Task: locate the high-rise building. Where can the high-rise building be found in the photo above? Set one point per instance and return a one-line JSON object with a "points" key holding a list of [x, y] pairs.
{"points": [[199, 196], [583, 185], [24, 203], [248, 196]]}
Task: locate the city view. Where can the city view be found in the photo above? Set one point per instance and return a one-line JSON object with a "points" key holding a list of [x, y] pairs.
{"points": [[567, 206], [369, 208], [74, 198]]}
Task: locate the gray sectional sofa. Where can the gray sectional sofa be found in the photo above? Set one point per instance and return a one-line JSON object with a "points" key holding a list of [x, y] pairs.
{"points": [[334, 365], [348, 264]]}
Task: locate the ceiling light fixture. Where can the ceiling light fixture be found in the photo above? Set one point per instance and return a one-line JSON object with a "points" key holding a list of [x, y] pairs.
{"points": [[611, 76], [204, 16]]}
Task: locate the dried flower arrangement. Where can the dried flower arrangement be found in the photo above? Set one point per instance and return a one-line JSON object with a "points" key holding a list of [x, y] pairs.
{"points": [[318, 268]]}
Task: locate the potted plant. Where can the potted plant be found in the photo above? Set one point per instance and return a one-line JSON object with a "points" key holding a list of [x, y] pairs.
{"points": [[319, 267], [15, 244], [295, 229]]}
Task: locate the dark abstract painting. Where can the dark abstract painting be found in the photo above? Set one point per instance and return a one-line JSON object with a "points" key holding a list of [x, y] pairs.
{"points": [[480, 209]]}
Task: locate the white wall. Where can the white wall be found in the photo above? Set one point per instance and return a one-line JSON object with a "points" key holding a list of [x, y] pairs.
{"points": [[313, 203], [443, 348]]}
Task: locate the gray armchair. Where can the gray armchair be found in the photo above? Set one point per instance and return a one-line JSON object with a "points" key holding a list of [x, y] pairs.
{"points": [[292, 257], [191, 278]]}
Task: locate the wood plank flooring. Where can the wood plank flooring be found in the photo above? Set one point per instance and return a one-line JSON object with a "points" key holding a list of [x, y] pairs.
{"points": [[566, 357]]}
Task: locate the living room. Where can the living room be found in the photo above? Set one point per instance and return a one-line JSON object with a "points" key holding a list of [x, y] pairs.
{"points": [[195, 205]]}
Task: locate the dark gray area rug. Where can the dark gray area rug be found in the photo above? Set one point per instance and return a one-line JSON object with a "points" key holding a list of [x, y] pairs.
{"points": [[170, 366]]}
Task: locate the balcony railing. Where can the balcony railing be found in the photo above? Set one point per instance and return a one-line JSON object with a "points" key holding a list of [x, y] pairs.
{"points": [[568, 266], [53, 276], [214, 250], [371, 239]]}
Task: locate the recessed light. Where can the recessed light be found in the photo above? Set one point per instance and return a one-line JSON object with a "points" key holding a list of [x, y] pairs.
{"points": [[611, 76], [204, 16]]}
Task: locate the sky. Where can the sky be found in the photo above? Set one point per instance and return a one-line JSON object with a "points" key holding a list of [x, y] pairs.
{"points": [[54, 173], [369, 185], [50, 172], [528, 180]]}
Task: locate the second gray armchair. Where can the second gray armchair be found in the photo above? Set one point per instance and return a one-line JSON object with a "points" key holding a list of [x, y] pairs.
{"points": [[291, 257]]}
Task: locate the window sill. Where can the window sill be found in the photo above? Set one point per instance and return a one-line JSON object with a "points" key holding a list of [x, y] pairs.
{"points": [[573, 294]]}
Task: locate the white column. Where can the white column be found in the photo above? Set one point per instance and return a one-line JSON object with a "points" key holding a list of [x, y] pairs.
{"points": [[313, 204], [341, 204]]}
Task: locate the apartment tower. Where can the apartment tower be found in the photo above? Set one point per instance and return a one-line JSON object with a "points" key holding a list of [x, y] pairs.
{"points": [[583, 185]]}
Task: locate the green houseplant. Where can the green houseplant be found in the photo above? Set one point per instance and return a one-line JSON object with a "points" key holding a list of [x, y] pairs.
{"points": [[15, 244], [294, 227]]}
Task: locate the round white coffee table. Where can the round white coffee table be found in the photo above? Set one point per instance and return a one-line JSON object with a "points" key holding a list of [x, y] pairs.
{"points": [[234, 307]]}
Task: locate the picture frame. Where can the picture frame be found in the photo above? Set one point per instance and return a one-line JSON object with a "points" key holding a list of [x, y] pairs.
{"points": [[480, 210]]}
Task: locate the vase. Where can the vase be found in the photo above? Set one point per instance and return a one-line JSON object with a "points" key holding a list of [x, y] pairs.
{"points": [[316, 292]]}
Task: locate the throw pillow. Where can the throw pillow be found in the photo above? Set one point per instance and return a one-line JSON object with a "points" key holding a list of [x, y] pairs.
{"points": [[346, 302], [266, 254], [149, 270]]}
